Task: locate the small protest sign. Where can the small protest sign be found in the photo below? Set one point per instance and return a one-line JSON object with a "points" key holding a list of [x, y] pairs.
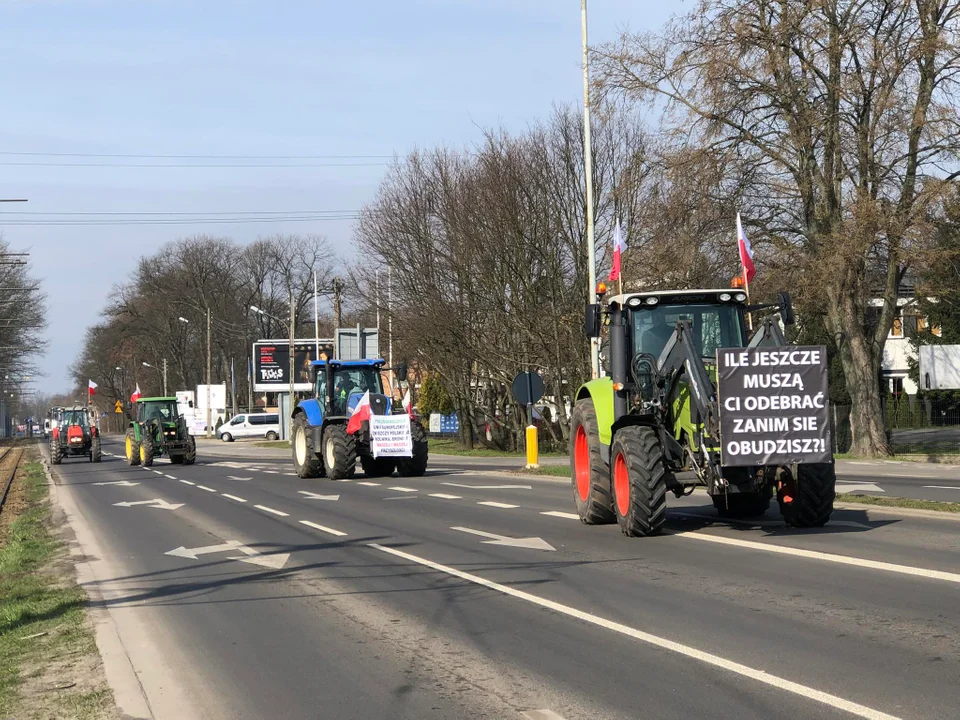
{"points": [[390, 436]]}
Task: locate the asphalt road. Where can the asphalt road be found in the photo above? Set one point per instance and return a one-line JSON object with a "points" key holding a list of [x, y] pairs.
{"points": [[471, 593]]}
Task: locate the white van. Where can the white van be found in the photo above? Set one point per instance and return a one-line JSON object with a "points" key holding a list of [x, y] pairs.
{"points": [[265, 425]]}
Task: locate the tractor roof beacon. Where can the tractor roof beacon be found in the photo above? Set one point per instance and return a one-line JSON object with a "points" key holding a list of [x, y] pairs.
{"points": [[159, 428], [322, 446], [657, 415]]}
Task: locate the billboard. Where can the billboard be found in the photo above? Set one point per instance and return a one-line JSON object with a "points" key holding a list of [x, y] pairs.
{"points": [[271, 363], [774, 405], [940, 367]]}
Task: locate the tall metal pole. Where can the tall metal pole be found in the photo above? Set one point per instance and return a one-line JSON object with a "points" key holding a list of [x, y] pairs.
{"points": [[337, 316], [316, 316], [390, 325], [588, 172], [293, 325], [165, 377], [209, 374]]}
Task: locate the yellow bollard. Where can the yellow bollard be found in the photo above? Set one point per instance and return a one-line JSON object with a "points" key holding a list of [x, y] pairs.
{"points": [[533, 451]]}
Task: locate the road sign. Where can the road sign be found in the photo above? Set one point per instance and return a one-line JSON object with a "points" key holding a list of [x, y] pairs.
{"points": [[118, 408], [527, 387]]}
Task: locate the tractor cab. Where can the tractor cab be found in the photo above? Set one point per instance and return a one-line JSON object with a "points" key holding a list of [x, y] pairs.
{"points": [[340, 384]]}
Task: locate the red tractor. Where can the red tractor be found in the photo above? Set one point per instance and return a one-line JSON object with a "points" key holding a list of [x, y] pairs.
{"points": [[75, 435]]}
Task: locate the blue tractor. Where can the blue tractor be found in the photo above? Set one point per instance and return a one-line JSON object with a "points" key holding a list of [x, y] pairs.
{"points": [[321, 445]]}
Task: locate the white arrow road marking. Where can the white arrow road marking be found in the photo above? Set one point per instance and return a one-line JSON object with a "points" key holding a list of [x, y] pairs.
{"points": [[762, 523], [559, 513], [489, 487], [124, 483], [317, 496], [490, 503], [530, 543], [234, 477], [193, 553], [322, 528], [767, 676], [155, 503], [859, 487]]}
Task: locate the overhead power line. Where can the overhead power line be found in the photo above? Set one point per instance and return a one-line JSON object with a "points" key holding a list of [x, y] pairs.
{"points": [[172, 212], [180, 221], [192, 165], [196, 157]]}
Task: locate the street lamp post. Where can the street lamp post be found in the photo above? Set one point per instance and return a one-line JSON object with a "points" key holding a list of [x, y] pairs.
{"points": [[162, 371], [588, 172]]}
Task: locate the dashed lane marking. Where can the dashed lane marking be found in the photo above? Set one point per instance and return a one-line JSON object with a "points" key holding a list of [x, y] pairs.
{"points": [[367, 483], [204, 487], [271, 510], [404, 489], [749, 673], [171, 477], [560, 514], [444, 496], [323, 528], [490, 503], [187, 482], [234, 497]]}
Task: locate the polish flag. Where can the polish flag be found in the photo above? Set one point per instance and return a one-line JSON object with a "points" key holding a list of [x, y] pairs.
{"points": [[91, 387], [136, 394], [360, 413], [618, 247], [746, 253], [408, 403]]}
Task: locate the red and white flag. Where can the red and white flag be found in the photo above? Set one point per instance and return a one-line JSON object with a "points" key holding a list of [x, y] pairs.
{"points": [[91, 387], [746, 253], [360, 413], [408, 403], [136, 394], [618, 247]]}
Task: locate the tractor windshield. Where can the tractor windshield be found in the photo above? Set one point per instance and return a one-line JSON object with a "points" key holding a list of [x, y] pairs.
{"points": [[74, 417], [162, 411], [350, 380], [714, 326]]}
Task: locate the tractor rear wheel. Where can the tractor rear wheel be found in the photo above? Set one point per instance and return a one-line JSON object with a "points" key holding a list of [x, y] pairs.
{"points": [[146, 449], [377, 467], [415, 466], [305, 460], [639, 481], [190, 456], [807, 500], [339, 452], [591, 477], [56, 453], [132, 448], [95, 450]]}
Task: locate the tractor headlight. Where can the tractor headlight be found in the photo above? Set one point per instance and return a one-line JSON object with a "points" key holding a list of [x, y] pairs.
{"points": [[635, 302], [725, 297], [741, 297], [652, 300]]}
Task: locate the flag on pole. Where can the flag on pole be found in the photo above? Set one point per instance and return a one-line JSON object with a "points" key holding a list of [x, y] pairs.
{"points": [[136, 394], [91, 387], [746, 253], [618, 247], [408, 403], [360, 413]]}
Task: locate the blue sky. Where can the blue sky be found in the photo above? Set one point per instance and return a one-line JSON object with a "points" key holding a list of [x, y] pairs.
{"points": [[373, 77]]}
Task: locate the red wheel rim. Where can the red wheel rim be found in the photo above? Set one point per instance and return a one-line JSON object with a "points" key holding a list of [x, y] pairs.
{"points": [[621, 484], [581, 461]]}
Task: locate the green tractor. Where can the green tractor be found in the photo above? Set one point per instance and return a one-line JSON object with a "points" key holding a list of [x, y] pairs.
{"points": [[158, 429], [653, 425]]}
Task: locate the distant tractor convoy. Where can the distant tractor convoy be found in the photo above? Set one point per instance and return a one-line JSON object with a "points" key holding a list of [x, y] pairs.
{"points": [[159, 429], [74, 433], [651, 426], [321, 443]]}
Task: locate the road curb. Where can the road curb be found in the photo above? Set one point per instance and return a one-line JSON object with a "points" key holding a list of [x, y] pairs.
{"points": [[905, 512]]}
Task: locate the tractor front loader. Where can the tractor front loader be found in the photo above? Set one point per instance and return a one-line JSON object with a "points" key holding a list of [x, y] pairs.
{"points": [[654, 425]]}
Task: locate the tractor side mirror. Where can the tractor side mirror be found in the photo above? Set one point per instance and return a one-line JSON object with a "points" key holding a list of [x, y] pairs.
{"points": [[312, 373], [591, 323], [786, 308], [402, 372]]}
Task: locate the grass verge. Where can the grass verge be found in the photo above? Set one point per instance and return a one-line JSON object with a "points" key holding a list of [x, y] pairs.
{"points": [[554, 470], [449, 446], [49, 666], [898, 502], [276, 444]]}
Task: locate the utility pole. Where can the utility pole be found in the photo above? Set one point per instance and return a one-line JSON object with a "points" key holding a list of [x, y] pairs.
{"points": [[165, 377], [390, 325], [588, 172], [209, 374], [337, 314], [293, 325]]}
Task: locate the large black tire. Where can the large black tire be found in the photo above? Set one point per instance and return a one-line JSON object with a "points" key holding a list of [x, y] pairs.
{"points": [[814, 490], [96, 452], [743, 505], [415, 466], [377, 467], [190, 456], [591, 475], [306, 463], [339, 452], [146, 447], [176, 459], [639, 481], [56, 453], [132, 447]]}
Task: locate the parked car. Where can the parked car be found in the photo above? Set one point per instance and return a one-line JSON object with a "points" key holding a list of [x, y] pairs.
{"points": [[265, 425]]}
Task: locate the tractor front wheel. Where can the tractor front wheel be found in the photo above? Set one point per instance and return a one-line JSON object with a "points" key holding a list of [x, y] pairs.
{"points": [[95, 450], [305, 460], [639, 481], [146, 449], [415, 466], [339, 452], [56, 454], [807, 500], [132, 448], [591, 478]]}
